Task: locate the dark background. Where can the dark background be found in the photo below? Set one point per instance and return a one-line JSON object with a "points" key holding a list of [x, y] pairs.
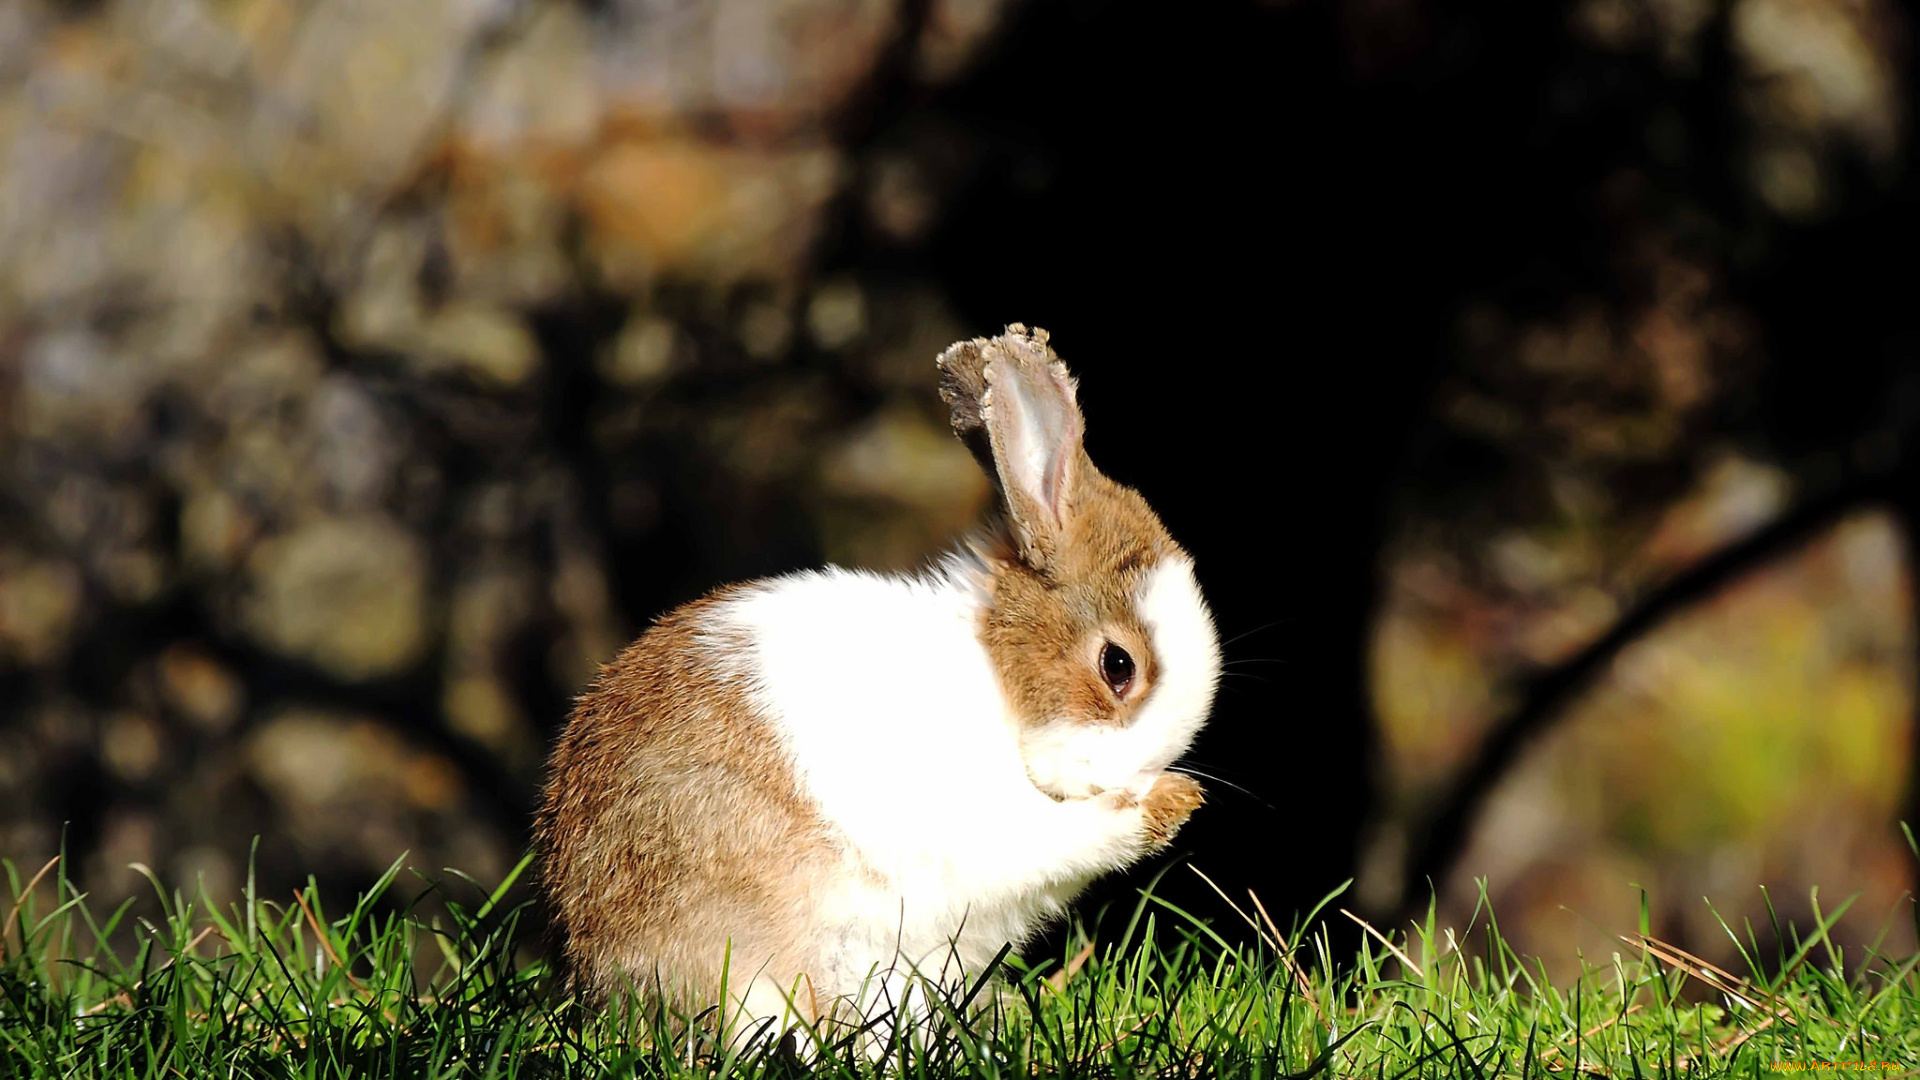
{"points": [[1358, 292]]}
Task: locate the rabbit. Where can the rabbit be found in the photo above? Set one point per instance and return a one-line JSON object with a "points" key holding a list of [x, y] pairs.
{"points": [[818, 785]]}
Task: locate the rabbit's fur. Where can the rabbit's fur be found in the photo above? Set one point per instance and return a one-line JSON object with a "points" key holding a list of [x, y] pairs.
{"points": [[835, 778]]}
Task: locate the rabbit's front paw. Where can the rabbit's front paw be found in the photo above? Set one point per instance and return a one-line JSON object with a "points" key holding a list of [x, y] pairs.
{"points": [[1172, 800]]}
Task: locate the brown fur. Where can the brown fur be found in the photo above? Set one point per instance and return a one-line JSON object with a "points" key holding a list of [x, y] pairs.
{"points": [[1066, 575], [1174, 798], [670, 824], [1045, 628]]}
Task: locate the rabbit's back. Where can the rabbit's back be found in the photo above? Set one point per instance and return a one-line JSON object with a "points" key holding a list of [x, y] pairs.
{"points": [[672, 823], [806, 770]]}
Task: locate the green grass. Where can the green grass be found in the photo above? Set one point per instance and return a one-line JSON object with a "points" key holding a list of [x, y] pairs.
{"points": [[287, 989]]}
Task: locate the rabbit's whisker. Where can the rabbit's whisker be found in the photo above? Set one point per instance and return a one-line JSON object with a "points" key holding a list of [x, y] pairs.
{"points": [[1221, 780], [1256, 630]]}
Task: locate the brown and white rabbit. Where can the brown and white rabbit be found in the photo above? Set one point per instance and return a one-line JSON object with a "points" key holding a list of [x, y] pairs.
{"points": [[831, 779]]}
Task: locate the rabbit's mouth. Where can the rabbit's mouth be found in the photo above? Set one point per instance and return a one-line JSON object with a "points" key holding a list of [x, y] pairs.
{"points": [[1136, 789], [1073, 761], [1052, 786]]}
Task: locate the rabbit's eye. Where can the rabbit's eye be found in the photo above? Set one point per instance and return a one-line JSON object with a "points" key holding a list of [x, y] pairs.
{"points": [[1117, 667]]}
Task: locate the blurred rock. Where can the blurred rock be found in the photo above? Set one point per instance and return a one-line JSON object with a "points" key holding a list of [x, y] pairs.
{"points": [[675, 207], [488, 344], [350, 447], [542, 92], [195, 685], [359, 97], [76, 387], [953, 34], [318, 760], [489, 609], [483, 710], [901, 486], [1823, 68], [579, 594], [905, 456], [214, 531], [837, 314], [900, 202], [130, 842], [644, 353], [770, 66], [206, 870], [350, 787], [346, 594], [39, 606], [388, 312], [765, 329], [131, 745]]}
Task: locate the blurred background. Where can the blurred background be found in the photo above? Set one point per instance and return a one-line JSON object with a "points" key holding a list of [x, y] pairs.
{"points": [[1535, 384]]}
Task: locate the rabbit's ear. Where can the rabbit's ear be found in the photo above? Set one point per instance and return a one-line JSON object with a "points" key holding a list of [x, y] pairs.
{"points": [[1013, 404]]}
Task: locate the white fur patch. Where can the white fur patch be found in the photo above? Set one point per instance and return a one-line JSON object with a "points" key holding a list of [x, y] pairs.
{"points": [[1078, 760], [889, 706]]}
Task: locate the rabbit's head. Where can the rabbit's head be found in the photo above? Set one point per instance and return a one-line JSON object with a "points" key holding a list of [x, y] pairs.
{"points": [[1104, 647]]}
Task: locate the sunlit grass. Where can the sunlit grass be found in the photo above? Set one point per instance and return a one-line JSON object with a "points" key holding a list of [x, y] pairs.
{"points": [[286, 989]]}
